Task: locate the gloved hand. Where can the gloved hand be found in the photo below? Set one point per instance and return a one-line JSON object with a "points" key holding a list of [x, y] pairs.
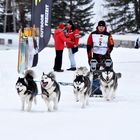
{"points": [[89, 59], [107, 55]]}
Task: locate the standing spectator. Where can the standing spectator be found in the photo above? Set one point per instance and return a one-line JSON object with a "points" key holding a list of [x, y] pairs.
{"points": [[73, 34], [137, 43], [100, 43], [59, 40]]}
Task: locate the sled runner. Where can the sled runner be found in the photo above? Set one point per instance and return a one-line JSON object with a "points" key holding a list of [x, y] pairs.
{"points": [[96, 68]]}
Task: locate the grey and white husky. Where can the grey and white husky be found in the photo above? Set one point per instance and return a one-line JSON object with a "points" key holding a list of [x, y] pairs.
{"points": [[109, 83], [27, 89], [82, 71], [82, 86], [50, 91]]}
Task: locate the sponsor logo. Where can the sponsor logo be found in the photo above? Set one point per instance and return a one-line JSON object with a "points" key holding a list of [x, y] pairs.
{"points": [[42, 25], [46, 14], [44, 20], [37, 2]]}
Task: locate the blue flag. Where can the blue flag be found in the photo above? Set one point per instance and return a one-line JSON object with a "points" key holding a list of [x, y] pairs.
{"points": [[41, 19]]}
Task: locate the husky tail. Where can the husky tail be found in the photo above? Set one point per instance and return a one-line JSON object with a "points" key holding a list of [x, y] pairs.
{"points": [[29, 74], [119, 75], [32, 86]]}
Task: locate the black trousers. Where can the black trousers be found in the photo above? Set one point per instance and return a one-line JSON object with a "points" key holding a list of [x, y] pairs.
{"points": [[58, 60]]}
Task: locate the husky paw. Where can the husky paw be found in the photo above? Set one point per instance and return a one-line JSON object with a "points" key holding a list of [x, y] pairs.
{"points": [[77, 100], [83, 106], [50, 106]]}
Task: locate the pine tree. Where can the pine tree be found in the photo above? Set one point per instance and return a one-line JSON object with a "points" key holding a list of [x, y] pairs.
{"points": [[122, 16], [79, 11], [24, 8], [58, 12], [1, 15]]}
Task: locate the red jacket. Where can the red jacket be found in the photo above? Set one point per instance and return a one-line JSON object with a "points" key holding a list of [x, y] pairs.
{"points": [[90, 42], [59, 39], [74, 37]]}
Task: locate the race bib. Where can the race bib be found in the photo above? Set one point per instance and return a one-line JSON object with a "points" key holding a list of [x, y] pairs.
{"points": [[100, 43]]}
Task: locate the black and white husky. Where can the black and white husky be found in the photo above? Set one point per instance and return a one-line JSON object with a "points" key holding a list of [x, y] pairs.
{"points": [[82, 86], [50, 91], [27, 89], [109, 83]]}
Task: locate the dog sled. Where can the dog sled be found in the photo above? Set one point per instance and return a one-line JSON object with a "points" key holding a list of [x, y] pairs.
{"points": [[96, 69]]}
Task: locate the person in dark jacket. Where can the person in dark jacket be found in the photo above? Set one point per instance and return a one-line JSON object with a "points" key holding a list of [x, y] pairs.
{"points": [[100, 43], [99, 46], [59, 40], [137, 43]]}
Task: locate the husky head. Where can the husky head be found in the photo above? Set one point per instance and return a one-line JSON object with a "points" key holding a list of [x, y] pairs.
{"points": [[21, 85], [82, 71], [108, 75], [79, 82], [47, 79]]}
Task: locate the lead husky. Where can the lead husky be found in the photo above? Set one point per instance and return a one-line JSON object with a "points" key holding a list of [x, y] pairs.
{"points": [[50, 91], [109, 83], [27, 89], [82, 86]]}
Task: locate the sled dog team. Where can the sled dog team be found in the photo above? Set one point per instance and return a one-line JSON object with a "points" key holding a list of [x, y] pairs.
{"points": [[50, 90]]}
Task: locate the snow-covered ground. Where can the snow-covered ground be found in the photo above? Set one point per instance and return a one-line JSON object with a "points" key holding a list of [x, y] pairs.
{"points": [[101, 120]]}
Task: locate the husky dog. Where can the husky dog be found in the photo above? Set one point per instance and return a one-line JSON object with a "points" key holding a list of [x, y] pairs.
{"points": [[50, 91], [27, 89], [82, 86], [82, 71], [109, 83]]}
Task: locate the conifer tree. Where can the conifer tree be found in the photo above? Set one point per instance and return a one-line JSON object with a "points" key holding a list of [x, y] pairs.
{"points": [[79, 11], [58, 12], [1, 15], [123, 15]]}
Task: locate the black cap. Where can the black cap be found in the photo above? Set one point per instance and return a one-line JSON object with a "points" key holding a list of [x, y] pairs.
{"points": [[101, 23], [70, 22]]}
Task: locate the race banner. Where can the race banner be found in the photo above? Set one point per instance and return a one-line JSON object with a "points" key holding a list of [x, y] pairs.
{"points": [[41, 19], [35, 38]]}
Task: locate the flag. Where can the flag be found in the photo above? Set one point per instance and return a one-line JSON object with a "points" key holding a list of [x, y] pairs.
{"points": [[41, 19]]}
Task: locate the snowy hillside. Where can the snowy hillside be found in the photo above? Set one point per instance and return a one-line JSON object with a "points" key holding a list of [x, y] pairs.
{"points": [[101, 120]]}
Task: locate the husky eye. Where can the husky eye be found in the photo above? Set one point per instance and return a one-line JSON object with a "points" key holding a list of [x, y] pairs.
{"points": [[20, 84], [46, 77], [17, 84], [109, 72], [105, 72]]}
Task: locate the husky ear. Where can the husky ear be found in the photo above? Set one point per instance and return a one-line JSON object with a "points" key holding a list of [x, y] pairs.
{"points": [[18, 79], [43, 73], [25, 81], [52, 75], [119, 75], [88, 74]]}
